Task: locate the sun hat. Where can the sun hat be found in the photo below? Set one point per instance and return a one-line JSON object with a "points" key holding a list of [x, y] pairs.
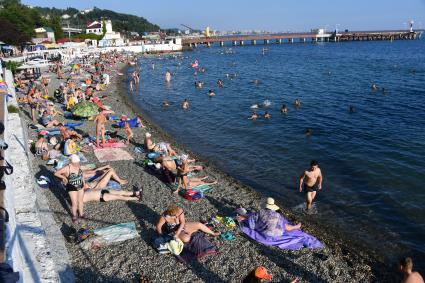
{"points": [[53, 141], [75, 158], [184, 157], [270, 204], [148, 135], [175, 246], [261, 273]]}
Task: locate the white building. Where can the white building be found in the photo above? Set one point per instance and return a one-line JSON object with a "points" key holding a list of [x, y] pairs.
{"points": [[95, 27], [44, 34]]}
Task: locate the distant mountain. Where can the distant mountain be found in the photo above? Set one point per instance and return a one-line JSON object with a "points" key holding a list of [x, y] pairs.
{"points": [[120, 22]]}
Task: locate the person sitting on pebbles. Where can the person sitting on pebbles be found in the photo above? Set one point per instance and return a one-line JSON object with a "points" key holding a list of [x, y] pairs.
{"points": [[182, 172], [172, 222], [47, 120]]}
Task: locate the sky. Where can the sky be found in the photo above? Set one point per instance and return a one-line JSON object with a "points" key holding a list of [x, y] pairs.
{"points": [[270, 15]]}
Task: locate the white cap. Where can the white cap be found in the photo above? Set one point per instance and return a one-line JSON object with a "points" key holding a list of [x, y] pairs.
{"points": [[75, 158], [184, 157]]}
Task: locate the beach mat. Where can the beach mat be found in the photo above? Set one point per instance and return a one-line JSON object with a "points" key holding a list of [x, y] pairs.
{"points": [[109, 145], [112, 154]]}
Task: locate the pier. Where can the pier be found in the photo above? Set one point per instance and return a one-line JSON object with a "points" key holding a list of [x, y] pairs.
{"points": [[281, 38]]}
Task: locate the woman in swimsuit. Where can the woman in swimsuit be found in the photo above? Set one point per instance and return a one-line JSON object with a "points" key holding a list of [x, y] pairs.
{"points": [[182, 172], [107, 195], [105, 174], [41, 145], [73, 179], [172, 222]]}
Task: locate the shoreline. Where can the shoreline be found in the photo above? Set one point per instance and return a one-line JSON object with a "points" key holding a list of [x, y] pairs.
{"points": [[337, 262], [333, 238]]}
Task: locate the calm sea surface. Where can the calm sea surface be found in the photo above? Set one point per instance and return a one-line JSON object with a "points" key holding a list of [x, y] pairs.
{"points": [[373, 160]]}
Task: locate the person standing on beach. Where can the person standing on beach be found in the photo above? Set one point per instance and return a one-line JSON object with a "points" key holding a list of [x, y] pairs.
{"points": [[312, 179], [406, 266], [100, 121]]}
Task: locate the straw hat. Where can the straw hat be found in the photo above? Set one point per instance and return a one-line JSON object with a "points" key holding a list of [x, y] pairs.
{"points": [[270, 204], [175, 246]]}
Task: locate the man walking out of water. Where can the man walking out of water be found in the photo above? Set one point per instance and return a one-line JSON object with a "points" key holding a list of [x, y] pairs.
{"points": [[312, 180]]}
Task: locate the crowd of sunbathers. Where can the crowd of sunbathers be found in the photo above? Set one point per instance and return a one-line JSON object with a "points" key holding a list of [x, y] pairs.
{"points": [[62, 145]]}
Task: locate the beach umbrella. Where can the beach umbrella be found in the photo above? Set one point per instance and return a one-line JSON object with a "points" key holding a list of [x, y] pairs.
{"points": [[85, 109]]}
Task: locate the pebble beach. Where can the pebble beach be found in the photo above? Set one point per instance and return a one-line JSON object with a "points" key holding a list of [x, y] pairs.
{"points": [[340, 261]]}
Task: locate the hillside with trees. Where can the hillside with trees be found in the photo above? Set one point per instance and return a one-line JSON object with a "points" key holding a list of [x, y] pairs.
{"points": [[121, 22]]}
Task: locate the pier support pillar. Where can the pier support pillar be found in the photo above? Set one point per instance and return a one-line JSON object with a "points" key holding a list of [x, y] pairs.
{"points": [[234, 43], [266, 41], [208, 44], [302, 39], [254, 42], [291, 40], [195, 45], [221, 43], [241, 43], [279, 41]]}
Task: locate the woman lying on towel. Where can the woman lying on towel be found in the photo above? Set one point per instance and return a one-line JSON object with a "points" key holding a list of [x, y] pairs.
{"points": [[270, 228], [133, 123], [162, 147], [107, 195], [172, 222], [99, 177], [182, 172]]}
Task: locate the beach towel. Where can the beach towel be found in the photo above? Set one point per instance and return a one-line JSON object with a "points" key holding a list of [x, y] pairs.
{"points": [[110, 235], [191, 195], [112, 154], [109, 145], [257, 229], [202, 188], [132, 123]]}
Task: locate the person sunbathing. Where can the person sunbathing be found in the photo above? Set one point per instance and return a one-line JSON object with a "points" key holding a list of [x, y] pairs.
{"points": [[110, 195], [47, 120], [162, 147], [182, 172], [173, 222], [67, 133], [100, 177], [41, 145]]}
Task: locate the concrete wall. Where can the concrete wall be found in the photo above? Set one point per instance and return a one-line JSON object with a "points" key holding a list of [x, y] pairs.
{"points": [[34, 244]]}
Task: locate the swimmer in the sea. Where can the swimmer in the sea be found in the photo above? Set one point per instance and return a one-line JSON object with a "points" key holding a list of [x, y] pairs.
{"points": [[256, 82], [165, 103], [185, 104], [220, 83], [267, 115], [211, 93], [253, 117], [297, 103], [374, 87], [283, 109], [383, 92], [307, 132], [352, 109]]}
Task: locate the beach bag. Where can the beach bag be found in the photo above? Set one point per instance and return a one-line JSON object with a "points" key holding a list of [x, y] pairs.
{"points": [[192, 195], [70, 147]]}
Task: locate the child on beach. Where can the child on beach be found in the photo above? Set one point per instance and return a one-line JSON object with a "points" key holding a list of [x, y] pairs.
{"points": [[100, 121], [127, 130]]}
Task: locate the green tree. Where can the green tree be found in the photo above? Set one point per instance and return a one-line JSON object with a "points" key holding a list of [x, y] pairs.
{"points": [[103, 27], [10, 34], [55, 24]]}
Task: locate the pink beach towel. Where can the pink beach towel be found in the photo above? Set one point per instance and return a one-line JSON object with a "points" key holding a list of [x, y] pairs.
{"points": [[112, 154]]}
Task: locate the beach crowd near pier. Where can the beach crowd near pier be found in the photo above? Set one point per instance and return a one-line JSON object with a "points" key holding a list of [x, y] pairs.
{"points": [[110, 174]]}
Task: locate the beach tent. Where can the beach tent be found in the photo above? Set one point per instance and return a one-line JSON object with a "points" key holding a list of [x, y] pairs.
{"points": [[85, 109]]}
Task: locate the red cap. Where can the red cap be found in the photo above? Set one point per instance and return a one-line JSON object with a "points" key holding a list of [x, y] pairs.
{"points": [[261, 273]]}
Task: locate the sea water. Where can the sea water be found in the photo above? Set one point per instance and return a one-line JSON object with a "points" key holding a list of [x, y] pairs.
{"points": [[373, 160]]}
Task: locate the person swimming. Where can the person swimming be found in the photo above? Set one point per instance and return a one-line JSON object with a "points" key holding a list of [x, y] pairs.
{"points": [[199, 84], [166, 103], [352, 109], [297, 103], [283, 109], [374, 87], [267, 115], [185, 104], [220, 83], [307, 132], [254, 116], [167, 76], [211, 93]]}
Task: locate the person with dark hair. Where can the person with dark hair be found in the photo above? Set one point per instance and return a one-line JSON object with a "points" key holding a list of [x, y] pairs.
{"points": [[312, 179], [406, 267]]}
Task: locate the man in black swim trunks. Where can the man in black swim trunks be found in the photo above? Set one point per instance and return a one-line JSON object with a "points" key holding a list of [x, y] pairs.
{"points": [[312, 179]]}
